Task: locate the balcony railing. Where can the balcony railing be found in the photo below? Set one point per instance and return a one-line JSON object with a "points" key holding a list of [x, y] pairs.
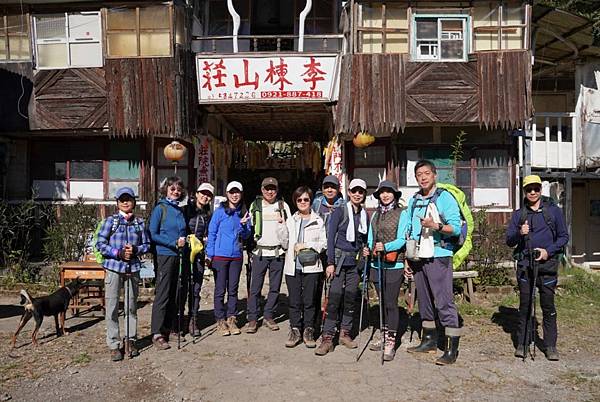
{"points": [[554, 141], [326, 43]]}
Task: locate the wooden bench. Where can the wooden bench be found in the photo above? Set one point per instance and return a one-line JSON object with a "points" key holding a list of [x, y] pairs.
{"points": [[468, 277], [92, 291]]}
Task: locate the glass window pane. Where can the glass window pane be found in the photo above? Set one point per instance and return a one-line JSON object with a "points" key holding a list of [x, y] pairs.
{"points": [[373, 155], [122, 44], [121, 18], [19, 47], [52, 55], [371, 42], [440, 157], [86, 170], [427, 28], [123, 169], [84, 26], [463, 177], [369, 175], [445, 176], [154, 44], [86, 54], [371, 16], [154, 17], [50, 27], [492, 178], [452, 49], [17, 24]]}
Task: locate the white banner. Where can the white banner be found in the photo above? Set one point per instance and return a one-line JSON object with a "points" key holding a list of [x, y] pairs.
{"points": [[203, 160], [254, 78]]}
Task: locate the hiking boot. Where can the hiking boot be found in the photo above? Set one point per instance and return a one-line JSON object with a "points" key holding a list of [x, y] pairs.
{"points": [[233, 328], [133, 350], [346, 340], [375, 345], [389, 349], [116, 355], [252, 327], [520, 351], [552, 353], [326, 346], [450, 352], [428, 343], [222, 328], [193, 326], [294, 338], [309, 337], [161, 343], [271, 324]]}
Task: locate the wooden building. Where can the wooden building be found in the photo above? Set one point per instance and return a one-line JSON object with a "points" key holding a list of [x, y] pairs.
{"points": [[91, 93]]}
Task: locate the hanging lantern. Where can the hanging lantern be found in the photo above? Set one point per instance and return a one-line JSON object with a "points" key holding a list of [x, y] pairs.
{"points": [[175, 151], [363, 140]]}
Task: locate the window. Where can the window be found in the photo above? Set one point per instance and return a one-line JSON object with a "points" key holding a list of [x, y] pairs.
{"points": [[14, 37], [498, 27], [440, 38], [368, 163], [92, 169], [68, 40], [382, 28], [139, 32]]}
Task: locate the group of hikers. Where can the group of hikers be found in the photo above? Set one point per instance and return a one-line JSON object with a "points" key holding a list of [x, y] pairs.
{"points": [[328, 243]]}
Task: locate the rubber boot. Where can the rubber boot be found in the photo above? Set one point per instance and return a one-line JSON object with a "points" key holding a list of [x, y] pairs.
{"points": [[389, 350], [450, 352], [429, 338]]}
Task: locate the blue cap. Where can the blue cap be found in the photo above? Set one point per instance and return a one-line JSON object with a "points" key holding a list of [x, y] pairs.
{"points": [[125, 191]]}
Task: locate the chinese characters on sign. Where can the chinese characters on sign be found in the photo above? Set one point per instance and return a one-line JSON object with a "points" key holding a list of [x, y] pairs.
{"points": [[253, 78], [204, 166]]}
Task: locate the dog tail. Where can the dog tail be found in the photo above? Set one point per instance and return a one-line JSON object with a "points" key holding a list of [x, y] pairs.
{"points": [[26, 299]]}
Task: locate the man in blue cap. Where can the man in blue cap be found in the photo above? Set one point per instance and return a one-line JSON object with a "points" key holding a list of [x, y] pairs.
{"points": [[122, 238]]}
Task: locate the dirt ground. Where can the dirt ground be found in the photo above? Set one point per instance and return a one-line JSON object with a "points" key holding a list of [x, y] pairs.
{"points": [[259, 367]]}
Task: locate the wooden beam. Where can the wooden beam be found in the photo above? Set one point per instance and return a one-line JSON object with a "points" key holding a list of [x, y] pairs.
{"points": [[566, 35]]}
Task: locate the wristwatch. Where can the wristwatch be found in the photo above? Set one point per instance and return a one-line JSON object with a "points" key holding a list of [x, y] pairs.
{"points": [[440, 227]]}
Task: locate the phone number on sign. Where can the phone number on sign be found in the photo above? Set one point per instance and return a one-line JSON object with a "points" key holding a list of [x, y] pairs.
{"points": [[291, 94]]}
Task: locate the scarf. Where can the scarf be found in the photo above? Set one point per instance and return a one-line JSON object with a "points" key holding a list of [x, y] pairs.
{"points": [[127, 217], [362, 227], [386, 208]]}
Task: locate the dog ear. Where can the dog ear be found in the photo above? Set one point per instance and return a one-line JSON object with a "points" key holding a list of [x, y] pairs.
{"points": [[23, 300]]}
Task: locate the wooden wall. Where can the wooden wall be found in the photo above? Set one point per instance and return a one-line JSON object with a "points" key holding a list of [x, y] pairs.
{"points": [[382, 93]]}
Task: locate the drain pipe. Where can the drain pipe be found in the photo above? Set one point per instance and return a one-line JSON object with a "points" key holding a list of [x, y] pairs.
{"points": [[236, 24], [303, 15]]}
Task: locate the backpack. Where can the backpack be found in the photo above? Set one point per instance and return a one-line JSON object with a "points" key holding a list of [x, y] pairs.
{"points": [[462, 244], [256, 213], [546, 203], [115, 225]]}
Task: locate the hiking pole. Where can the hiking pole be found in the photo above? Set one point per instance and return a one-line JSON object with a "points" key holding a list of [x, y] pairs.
{"points": [[381, 331], [362, 305], [325, 303], [191, 300], [178, 297], [126, 282], [529, 322], [532, 311], [410, 303]]}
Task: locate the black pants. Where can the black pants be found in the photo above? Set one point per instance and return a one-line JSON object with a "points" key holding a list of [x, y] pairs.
{"points": [[260, 266], [191, 283], [302, 290], [546, 285], [392, 280], [164, 309], [344, 288]]}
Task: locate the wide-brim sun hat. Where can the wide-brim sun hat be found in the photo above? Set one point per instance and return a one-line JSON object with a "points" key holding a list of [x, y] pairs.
{"points": [[387, 184]]}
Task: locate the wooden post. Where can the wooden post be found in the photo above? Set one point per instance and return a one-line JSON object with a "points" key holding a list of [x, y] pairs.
{"points": [[568, 206]]}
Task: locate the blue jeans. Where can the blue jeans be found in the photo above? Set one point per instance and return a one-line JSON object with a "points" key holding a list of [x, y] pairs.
{"points": [[227, 279]]}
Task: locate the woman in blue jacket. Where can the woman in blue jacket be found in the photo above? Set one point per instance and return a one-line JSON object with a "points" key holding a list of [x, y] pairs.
{"points": [[167, 230], [228, 228]]}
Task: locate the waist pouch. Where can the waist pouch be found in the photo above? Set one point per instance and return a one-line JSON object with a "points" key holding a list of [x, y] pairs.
{"points": [[393, 257], [548, 267], [307, 256]]}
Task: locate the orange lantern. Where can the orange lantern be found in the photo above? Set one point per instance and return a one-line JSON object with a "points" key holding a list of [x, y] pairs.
{"points": [[175, 151], [363, 140]]}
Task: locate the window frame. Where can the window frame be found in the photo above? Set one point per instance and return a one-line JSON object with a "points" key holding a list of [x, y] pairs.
{"points": [[137, 30], [5, 35], [500, 27], [383, 30], [67, 41], [466, 39]]}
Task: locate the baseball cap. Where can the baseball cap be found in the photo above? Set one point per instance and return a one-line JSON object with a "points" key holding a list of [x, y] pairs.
{"points": [[532, 179], [234, 184], [331, 179], [206, 187], [358, 183], [269, 181], [125, 191]]}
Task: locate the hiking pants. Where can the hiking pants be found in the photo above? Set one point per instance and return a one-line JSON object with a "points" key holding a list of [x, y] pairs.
{"points": [[227, 279], [113, 282], [302, 290], [433, 279], [344, 289], [164, 309], [392, 281], [191, 282], [546, 285], [260, 266]]}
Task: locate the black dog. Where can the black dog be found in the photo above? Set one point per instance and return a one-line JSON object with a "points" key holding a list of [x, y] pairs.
{"points": [[55, 305]]}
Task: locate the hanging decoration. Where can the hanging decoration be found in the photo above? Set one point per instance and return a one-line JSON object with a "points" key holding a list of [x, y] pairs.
{"points": [[363, 140], [333, 158], [174, 152]]}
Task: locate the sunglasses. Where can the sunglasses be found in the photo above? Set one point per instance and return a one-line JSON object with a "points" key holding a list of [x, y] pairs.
{"points": [[357, 190], [535, 189], [326, 186], [298, 200]]}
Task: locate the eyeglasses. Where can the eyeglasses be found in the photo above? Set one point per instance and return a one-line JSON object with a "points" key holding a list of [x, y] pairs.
{"points": [[357, 190], [298, 200], [534, 189], [174, 188]]}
